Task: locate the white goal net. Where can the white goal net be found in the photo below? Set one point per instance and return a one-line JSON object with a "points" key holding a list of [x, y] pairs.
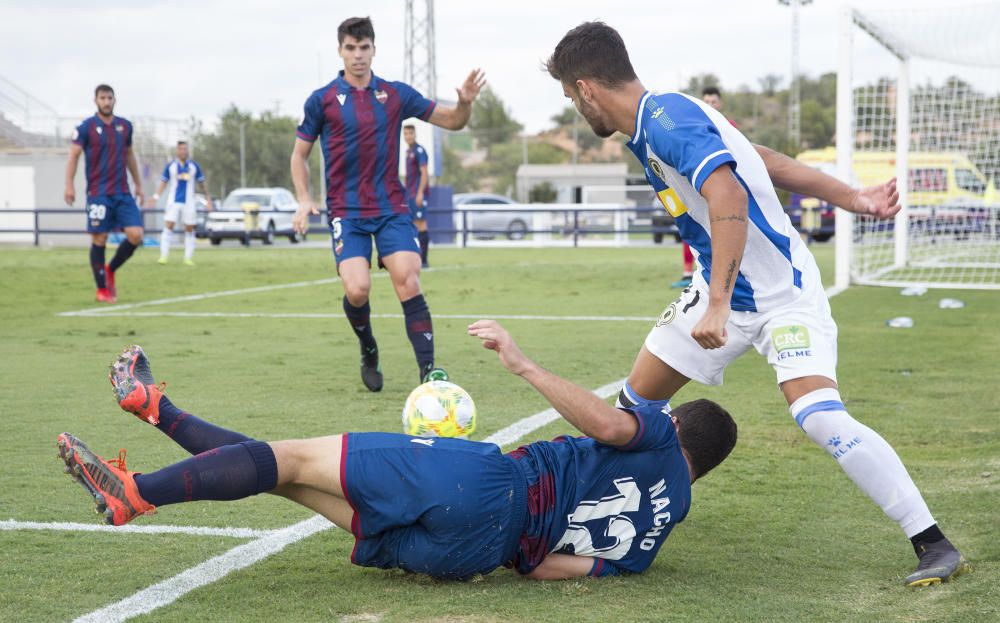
{"points": [[919, 99]]}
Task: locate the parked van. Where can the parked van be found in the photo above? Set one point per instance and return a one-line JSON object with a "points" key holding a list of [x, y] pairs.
{"points": [[935, 179]]}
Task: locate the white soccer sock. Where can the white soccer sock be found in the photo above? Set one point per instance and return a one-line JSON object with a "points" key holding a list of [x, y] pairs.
{"points": [[165, 242], [865, 456], [189, 241]]}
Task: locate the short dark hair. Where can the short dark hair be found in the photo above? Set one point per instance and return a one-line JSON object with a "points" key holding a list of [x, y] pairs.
{"points": [[711, 91], [707, 434], [179, 143], [357, 27], [103, 88], [592, 50], [410, 126]]}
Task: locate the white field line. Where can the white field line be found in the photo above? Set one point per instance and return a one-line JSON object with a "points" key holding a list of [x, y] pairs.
{"points": [[239, 533], [111, 310], [183, 314], [241, 557], [216, 568]]}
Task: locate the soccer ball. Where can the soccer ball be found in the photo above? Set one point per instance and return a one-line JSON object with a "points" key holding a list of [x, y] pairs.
{"points": [[439, 409]]}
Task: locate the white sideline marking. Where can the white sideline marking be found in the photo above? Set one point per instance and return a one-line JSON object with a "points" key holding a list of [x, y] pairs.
{"points": [[238, 533], [240, 557], [323, 315], [103, 311], [171, 589]]}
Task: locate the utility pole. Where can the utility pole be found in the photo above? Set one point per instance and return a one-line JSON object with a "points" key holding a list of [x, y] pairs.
{"points": [[243, 156], [794, 93], [419, 67]]}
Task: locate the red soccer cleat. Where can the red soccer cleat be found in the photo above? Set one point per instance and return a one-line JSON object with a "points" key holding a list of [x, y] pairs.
{"points": [[109, 279], [104, 296], [135, 389], [109, 482]]}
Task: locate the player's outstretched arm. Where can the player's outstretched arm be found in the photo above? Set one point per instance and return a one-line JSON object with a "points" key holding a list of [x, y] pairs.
{"points": [[69, 194], [581, 408], [300, 179], [881, 200], [455, 118]]}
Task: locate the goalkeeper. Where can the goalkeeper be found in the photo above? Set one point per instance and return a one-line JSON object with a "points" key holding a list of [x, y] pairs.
{"points": [[449, 508]]}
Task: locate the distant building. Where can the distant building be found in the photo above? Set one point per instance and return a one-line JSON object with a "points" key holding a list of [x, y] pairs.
{"points": [[569, 180]]}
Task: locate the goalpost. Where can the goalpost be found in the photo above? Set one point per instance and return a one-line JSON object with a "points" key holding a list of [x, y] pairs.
{"points": [[918, 98]]}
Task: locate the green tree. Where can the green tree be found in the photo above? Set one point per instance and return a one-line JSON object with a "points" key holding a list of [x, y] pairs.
{"points": [[701, 81], [491, 122], [542, 193], [268, 138], [566, 117]]}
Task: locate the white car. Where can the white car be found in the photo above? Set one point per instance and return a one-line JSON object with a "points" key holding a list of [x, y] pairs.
{"points": [[514, 225], [254, 213]]}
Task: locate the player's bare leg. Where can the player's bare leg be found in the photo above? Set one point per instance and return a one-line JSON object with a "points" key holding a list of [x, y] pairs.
{"points": [[165, 237], [877, 470], [355, 273], [404, 270], [652, 380]]}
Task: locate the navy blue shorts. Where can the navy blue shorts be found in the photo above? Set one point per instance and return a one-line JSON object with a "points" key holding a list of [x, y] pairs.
{"points": [[352, 237], [416, 212], [109, 212], [449, 508]]}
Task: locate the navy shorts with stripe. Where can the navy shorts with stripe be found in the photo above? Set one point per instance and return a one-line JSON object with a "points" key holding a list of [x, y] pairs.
{"points": [[109, 212], [448, 508], [352, 237]]}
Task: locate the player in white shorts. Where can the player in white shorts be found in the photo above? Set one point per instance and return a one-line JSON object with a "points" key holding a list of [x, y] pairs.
{"points": [[181, 175], [758, 285]]}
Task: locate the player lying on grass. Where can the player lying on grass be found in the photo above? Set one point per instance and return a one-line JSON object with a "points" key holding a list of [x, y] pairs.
{"points": [[450, 508], [758, 287]]}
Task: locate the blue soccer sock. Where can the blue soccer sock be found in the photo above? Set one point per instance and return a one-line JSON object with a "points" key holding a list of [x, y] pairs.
{"points": [[125, 251], [194, 434], [227, 473], [360, 319], [97, 265], [628, 398], [420, 330]]}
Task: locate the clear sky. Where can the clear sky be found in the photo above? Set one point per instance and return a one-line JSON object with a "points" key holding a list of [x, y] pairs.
{"points": [[195, 57]]}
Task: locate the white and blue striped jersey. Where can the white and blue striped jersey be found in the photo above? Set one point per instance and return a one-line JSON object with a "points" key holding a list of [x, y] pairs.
{"points": [[181, 178], [680, 141]]}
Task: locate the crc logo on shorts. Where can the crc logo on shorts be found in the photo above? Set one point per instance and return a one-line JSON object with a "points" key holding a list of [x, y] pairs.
{"points": [[339, 247], [791, 341], [668, 315], [654, 164]]}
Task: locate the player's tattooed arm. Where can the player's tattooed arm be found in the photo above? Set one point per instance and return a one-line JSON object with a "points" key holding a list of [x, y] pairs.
{"points": [[203, 188], [727, 211]]}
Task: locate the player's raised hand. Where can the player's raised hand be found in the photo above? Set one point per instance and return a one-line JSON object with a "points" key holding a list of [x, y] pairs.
{"points": [[880, 201], [495, 337], [300, 222], [473, 84]]}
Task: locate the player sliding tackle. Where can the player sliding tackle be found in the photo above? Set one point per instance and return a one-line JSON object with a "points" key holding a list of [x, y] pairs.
{"points": [[758, 285], [450, 508]]}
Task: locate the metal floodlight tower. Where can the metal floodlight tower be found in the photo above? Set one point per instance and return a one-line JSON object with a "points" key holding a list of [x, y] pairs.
{"points": [[419, 67], [794, 94]]}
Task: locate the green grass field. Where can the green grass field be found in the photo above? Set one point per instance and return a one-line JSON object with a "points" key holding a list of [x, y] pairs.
{"points": [[777, 533]]}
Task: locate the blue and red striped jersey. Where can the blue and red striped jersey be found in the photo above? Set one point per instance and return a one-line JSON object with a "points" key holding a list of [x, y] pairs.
{"points": [[416, 157], [614, 504], [359, 131], [105, 149]]}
